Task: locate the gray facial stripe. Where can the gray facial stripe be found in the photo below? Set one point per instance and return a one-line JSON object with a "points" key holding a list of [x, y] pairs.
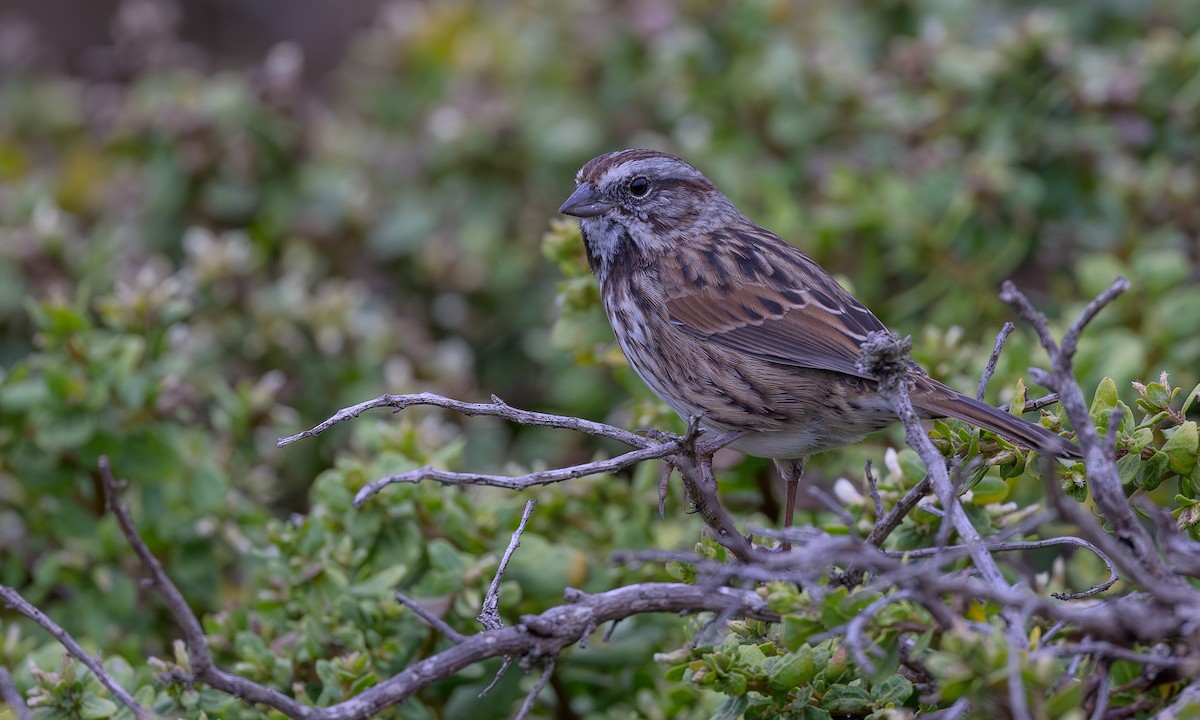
{"points": [[656, 167]]}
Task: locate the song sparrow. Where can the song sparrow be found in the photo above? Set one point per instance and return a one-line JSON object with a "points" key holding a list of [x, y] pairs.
{"points": [[728, 322]]}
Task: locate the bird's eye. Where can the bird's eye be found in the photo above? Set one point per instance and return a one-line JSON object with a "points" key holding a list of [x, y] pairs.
{"points": [[639, 186]]}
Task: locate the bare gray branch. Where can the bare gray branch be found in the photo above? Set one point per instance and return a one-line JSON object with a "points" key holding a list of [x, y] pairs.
{"points": [[429, 618], [12, 697], [14, 600], [885, 356], [489, 616], [496, 408], [990, 370], [199, 656]]}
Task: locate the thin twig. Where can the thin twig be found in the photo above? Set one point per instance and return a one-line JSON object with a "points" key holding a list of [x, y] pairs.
{"points": [[1121, 619], [531, 697], [199, 655], [1069, 511], [1100, 648], [1181, 551], [828, 501], [692, 457], [885, 357], [855, 628], [702, 491], [429, 618], [1055, 629], [12, 696], [504, 666], [496, 408], [888, 523], [1024, 308], [1073, 666], [709, 446], [13, 599], [873, 489], [521, 482], [1110, 436], [957, 710], [1018, 703], [1031, 405], [549, 633], [948, 552], [990, 370], [1101, 693], [489, 615], [884, 524], [1132, 549], [1185, 702], [1071, 338]]}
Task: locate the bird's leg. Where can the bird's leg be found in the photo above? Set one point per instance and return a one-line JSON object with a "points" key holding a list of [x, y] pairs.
{"points": [[791, 470], [664, 486]]}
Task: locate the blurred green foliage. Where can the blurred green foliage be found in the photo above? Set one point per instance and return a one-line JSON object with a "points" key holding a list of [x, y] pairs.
{"points": [[194, 262]]}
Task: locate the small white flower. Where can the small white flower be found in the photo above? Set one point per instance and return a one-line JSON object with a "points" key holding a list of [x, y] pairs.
{"points": [[891, 460], [845, 491]]}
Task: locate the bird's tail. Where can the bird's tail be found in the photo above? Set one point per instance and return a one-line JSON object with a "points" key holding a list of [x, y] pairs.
{"points": [[941, 401]]}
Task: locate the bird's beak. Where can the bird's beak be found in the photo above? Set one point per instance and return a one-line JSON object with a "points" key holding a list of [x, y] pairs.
{"points": [[585, 202]]}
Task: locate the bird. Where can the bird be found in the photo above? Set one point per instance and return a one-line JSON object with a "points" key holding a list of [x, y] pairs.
{"points": [[728, 323]]}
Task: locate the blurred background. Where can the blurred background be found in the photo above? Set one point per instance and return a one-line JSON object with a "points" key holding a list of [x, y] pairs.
{"points": [[222, 220]]}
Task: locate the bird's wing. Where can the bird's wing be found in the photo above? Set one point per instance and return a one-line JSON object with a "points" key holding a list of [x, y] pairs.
{"points": [[768, 300]]}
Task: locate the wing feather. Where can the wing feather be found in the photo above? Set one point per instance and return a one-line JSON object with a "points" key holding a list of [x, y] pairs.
{"points": [[780, 307]]}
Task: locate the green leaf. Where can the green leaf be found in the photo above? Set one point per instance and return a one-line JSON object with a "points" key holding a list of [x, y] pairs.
{"points": [[911, 466], [382, 583], [208, 489], [1010, 470], [444, 556], [733, 684], [60, 320], [25, 395], [1017, 406], [732, 708], [1191, 398], [1181, 447], [312, 539], [846, 699], [362, 683], [1103, 402], [251, 648], [797, 629], [679, 570], [1155, 470], [327, 673], [1065, 700], [94, 707], [1154, 420], [1140, 439], [1123, 672], [65, 432], [751, 658], [892, 691], [989, 490], [1128, 467], [1189, 485], [1158, 396], [792, 670]]}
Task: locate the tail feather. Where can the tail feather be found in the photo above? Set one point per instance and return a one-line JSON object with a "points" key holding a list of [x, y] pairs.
{"points": [[949, 403]]}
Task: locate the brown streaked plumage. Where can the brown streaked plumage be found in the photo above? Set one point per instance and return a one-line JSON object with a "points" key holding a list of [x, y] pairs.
{"points": [[726, 321]]}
